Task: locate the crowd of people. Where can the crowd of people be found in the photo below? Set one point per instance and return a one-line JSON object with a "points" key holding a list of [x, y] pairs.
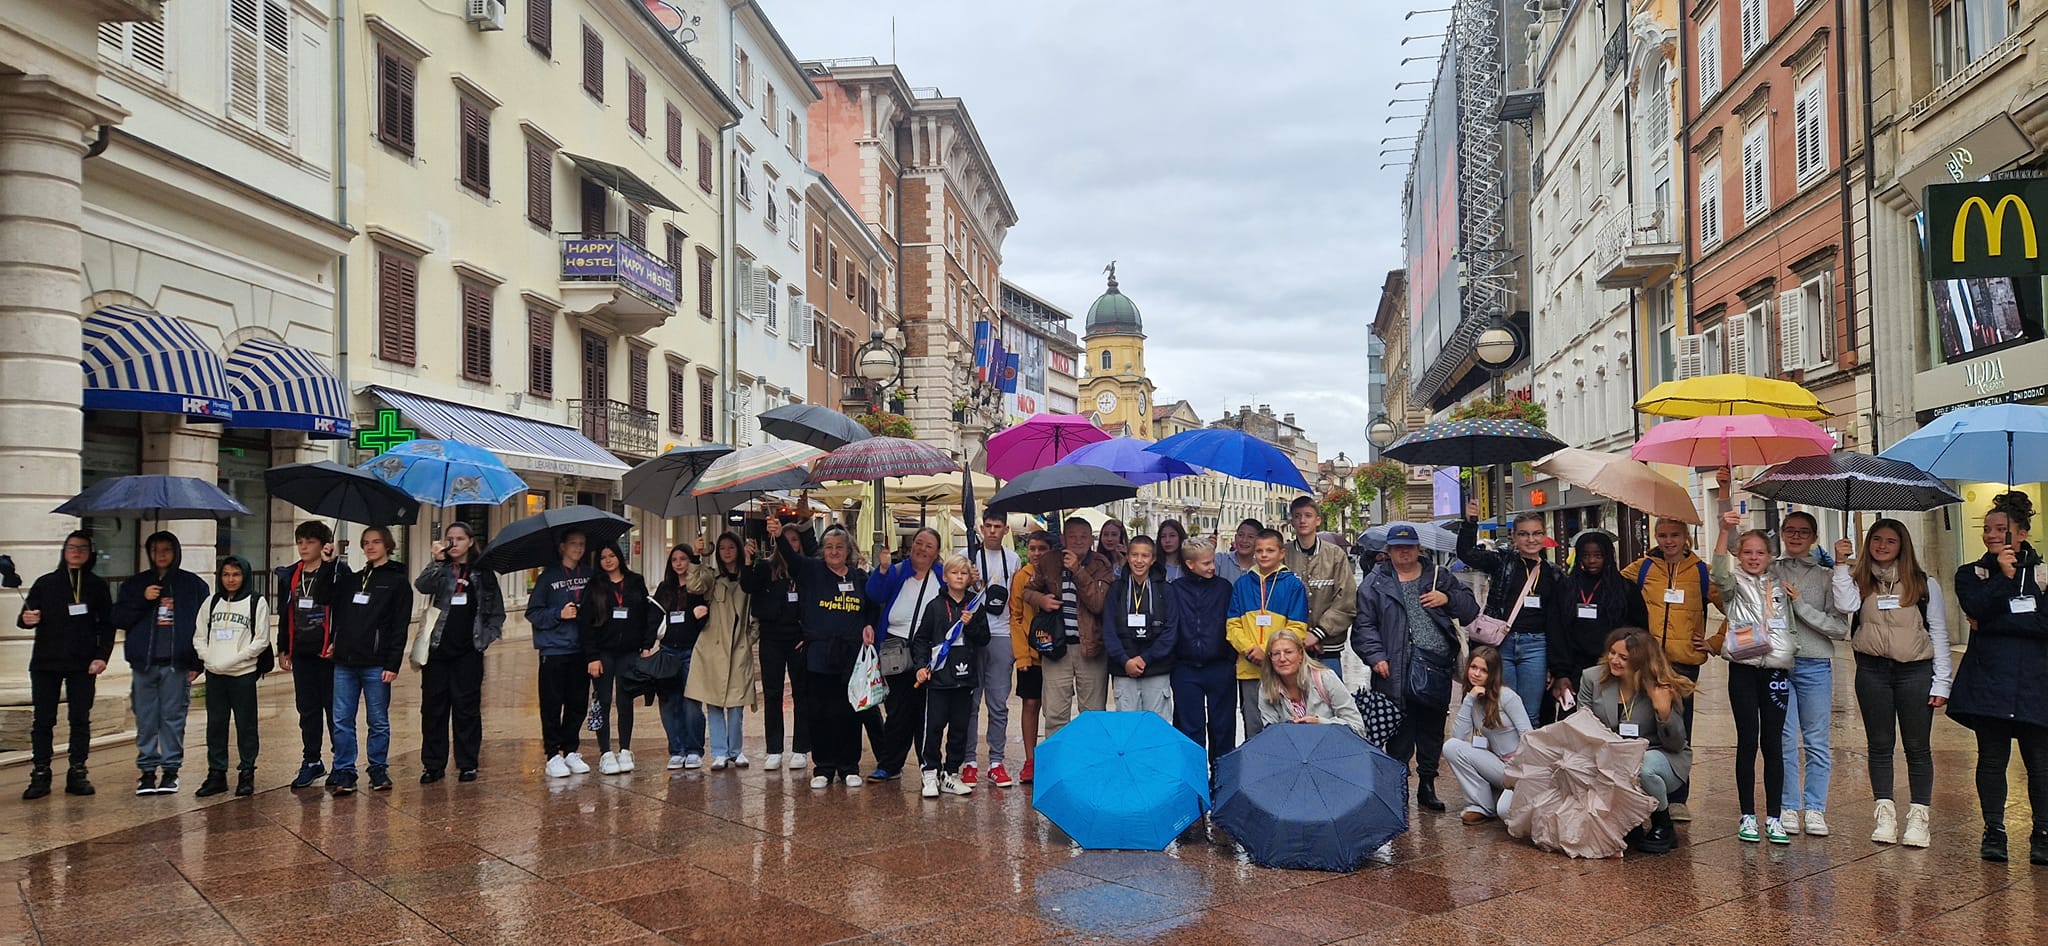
{"points": [[1215, 641]]}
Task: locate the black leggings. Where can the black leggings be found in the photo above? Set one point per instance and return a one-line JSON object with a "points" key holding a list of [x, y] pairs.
{"points": [[1759, 695], [1892, 696], [1994, 754]]}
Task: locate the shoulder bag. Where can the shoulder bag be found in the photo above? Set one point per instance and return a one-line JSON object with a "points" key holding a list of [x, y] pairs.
{"points": [[1491, 631]]}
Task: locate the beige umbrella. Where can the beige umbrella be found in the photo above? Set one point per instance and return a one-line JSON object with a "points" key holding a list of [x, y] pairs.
{"points": [[940, 490], [1623, 480], [1575, 788]]}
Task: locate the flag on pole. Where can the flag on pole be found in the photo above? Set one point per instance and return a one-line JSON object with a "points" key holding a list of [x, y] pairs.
{"points": [[959, 629], [1009, 369], [983, 332]]}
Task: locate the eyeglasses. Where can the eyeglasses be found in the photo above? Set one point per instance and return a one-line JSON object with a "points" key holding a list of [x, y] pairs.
{"points": [[1797, 532], [1528, 535]]}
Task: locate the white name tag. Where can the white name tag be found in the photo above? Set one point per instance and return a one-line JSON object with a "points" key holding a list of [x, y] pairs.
{"points": [[1630, 731], [792, 596], [306, 604], [846, 587], [78, 609], [362, 597], [224, 634], [619, 614], [677, 617], [1135, 620], [1266, 620], [458, 600], [1589, 611], [1887, 602], [1479, 742], [1531, 601], [1674, 596], [1778, 622], [2023, 604]]}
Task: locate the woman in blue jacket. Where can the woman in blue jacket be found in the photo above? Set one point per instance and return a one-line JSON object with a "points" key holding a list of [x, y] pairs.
{"points": [[904, 591]]}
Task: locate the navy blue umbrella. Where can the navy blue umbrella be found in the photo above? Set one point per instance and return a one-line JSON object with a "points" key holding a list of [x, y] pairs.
{"points": [[1311, 797], [1061, 487], [331, 490], [532, 542], [153, 496]]}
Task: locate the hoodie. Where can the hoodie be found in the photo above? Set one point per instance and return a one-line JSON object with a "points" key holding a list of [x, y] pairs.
{"points": [[68, 642], [157, 635], [1261, 604], [1201, 611], [237, 628], [556, 587], [1594, 604], [372, 611]]}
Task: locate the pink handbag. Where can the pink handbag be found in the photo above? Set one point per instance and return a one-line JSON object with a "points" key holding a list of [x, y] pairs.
{"points": [[1491, 630]]}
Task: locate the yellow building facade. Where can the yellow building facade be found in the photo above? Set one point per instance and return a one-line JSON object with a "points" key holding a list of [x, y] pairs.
{"points": [[1116, 391]]}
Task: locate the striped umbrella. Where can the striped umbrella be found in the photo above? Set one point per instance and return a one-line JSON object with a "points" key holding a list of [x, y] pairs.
{"points": [[752, 467], [1854, 482], [877, 457]]}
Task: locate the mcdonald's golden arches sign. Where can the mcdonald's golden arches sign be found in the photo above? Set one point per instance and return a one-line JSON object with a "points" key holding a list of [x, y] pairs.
{"points": [[1993, 228]]}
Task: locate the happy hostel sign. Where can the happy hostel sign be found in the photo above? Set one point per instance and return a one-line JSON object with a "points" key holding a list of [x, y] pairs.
{"points": [[1991, 228]]}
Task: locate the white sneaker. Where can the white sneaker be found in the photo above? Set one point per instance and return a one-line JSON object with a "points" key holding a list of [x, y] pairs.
{"points": [[819, 781], [954, 786], [1887, 819], [1790, 821], [557, 767], [774, 761], [576, 763], [608, 764], [740, 761], [693, 761], [625, 760], [798, 761], [1816, 823], [675, 762], [931, 784], [1916, 827], [719, 764], [853, 781]]}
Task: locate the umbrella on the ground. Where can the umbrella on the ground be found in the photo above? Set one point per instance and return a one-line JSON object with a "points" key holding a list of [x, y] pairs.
{"points": [[878, 457], [1723, 394], [1039, 443], [1623, 480], [1061, 487], [2000, 443], [813, 426], [152, 496], [1233, 453], [754, 468], [1575, 788], [446, 473], [662, 485], [1737, 440], [532, 542], [1121, 781], [1853, 481], [1478, 441], [1311, 797], [333, 491], [1435, 540], [1128, 458]]}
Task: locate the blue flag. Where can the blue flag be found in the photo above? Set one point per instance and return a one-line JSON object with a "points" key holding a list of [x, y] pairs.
{"points": [[1009, 385], [982, 335]]}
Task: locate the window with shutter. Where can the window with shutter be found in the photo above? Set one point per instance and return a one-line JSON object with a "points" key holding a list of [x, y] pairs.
{"points": [[476, 147], [763, 290], [704, 163], [771, 317], [832, 273], [1736, 336], [1690, 357], [707, 272], [743, 287], [1809, 124], [1792, 348], [1756, 180], [540, 353], [636, 378], [259, 64], [597, 376], [476, 332], [672, 246], [596, 208], [1755, 30], [818, 250], [396, 79], [678, 420], [707, 417], [593, 63], [774, 217], [138, 45], [1710, 204], [540, 25], [1817, 304], [790, 203], [821, 337], [672, 121], [743, 185], [1709, 49], [397, 307], [799, 320], [540, 185], [636, 101], [636, 227]]}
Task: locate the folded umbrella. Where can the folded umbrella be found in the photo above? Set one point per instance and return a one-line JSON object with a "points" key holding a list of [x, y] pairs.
{"points": [[756, 467], [1478, 441], [1040, 442], [1061, 487], [1233, 453], [446, 473], [813, 426], [332, 491], [1310, 797], [1575, 788], [533, 542], [1128, 458], [662, 485], [1724, 394], [1853, 482], [1623, 480], [879, 457], [1999, 443], [1121, 781], [1737, 440], [152, 496]]}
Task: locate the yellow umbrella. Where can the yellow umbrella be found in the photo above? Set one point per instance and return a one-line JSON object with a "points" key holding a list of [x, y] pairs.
{"points": [[1721, 394], [1623, 480]]}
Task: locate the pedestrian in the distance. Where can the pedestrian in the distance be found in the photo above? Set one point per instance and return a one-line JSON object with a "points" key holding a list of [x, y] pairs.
{"points": [[683, 617], [305, 628], [1139, 634], [371, 615], [1998, 690], [160, 608], [472, 617], [1486, 735], [722, 668], [615, 622], [1204, 677], [552, 609], [71, 612], [230, 643], [1899, 632], [949, 666]]}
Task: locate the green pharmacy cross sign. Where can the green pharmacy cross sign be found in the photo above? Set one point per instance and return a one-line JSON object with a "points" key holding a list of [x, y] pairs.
{"points": [[386, 434]]}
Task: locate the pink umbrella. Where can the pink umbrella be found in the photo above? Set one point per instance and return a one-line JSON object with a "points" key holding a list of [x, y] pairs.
{"points": [[1039, 443], [1736, 440]]}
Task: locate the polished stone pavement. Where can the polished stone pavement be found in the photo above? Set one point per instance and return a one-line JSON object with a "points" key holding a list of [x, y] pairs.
{"points": [[758, 857]]}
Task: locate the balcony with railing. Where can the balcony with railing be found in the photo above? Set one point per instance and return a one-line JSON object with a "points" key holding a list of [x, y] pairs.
{"points": [[1637, 247], [618, 427], [619, 277]]}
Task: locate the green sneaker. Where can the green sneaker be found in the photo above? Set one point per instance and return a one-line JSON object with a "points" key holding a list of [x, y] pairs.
{"points": [[1748, 830], [1775, 830]]}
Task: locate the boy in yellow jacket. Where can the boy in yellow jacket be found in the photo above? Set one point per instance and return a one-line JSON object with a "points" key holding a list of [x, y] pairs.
{"points": [[1264, 601]]}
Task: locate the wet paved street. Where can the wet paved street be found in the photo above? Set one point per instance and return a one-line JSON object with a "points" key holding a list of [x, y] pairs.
{"points": [[758, 857]]}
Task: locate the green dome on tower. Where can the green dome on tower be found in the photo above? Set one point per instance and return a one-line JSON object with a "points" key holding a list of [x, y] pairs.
{"points": [[1113, 312]]}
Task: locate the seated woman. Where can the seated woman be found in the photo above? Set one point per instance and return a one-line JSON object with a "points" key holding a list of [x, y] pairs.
{"points": [[1295, 689], [1488, 731], [1635, 692]]}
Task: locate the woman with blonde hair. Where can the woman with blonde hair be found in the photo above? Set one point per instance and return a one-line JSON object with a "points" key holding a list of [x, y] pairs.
{"points": [[1295, 689], [1487, 733], [1634, 692]]}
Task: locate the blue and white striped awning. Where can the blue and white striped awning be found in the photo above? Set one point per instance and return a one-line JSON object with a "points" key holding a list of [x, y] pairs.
{"points": [[525, 445], [282, 387], [139, 360]]}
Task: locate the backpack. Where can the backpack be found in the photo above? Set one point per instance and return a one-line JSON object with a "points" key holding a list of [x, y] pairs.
{"points": [[1643, 577]]}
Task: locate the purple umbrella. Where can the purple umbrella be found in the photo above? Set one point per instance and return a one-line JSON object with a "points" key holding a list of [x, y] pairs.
{"points": [[1039, 443], [1128, 458]]}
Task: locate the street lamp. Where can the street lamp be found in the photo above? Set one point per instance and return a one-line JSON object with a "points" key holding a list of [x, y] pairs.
{"points": [[1381, 431], [880, 364], [1494, 351]]}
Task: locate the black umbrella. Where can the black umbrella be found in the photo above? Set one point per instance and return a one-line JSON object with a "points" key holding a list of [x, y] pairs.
{"points": [[1853, 482], [531, 542], [662, 485], [816, 426], [1060, 487], [333, 491], [152, 496], [1474, 442]]}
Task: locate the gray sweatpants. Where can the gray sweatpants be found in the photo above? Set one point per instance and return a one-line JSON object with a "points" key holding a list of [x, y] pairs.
{"points": [[1248, 709], [1144, 695], [1481, 775], [998, 675], [162, 698]]}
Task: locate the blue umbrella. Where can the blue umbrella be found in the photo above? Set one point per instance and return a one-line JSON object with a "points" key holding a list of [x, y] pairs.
{"points": [[446, 473], [1121, 781], [1233, 453], [1128, 458], [1999, 443], [152, 496], [1310, 797]]}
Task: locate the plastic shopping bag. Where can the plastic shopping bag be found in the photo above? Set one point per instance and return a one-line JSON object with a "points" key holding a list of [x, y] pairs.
{"points": [[866, 689]]}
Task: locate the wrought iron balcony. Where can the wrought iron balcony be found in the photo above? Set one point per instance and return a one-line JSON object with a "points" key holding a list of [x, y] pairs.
{"points": [[1636, 248], [618, 427]]}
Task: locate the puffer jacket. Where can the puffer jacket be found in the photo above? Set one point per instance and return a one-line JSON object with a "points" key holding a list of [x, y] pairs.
{"points": [[1817, 624], [1999, 680], [1753, 599], [1675, 623], [1332, 592]]}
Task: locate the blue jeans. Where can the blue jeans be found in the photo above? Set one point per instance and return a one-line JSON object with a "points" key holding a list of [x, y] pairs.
{"points": [[1205, 705], [1523, 660], [724, 723], [364, 684], [1807, 721], [682, 718]]}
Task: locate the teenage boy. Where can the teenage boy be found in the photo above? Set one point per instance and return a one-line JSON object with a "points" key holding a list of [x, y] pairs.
{"points": [[995, 566], [71, 613], [1264, 601], [564, 679], [159, 607], [1204, 665], [305, 639], [371, 614], [1332, 585]]}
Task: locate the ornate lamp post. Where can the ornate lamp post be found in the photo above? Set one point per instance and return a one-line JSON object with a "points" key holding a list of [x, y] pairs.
{"points": [[880, 364], [1495, 351]]}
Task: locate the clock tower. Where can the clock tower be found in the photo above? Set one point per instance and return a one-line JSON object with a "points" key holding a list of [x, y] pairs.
{"points": [[1116, 389]]}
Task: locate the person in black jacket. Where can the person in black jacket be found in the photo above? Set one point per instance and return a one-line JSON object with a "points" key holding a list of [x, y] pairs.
{"points": [[452, 682], [1998, 692], [305, 622], [1599, 599], [951, 669], [1139, 633], [682, 621], [778, 610], [1525, 654], [160, 607], [615, 622], [1204, 664], [372, 610], [838, 619], [72, 614]]}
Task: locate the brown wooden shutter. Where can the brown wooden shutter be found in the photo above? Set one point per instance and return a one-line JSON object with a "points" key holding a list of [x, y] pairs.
{"points": [[397, 308], [595, 204], [704, 164], [706, 271], [636, 101], [593, 63], [674, 123], [476, 332], [540, 185], [636, 227], [540, 25], [395, 90], [476, 147], [597, 378], [674, 247], [636, 379], [540, 353], [678, 419], [707, 426]]}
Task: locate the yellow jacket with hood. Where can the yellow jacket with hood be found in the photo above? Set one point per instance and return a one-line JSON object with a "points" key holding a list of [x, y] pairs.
{"points": [[1675, 623]]}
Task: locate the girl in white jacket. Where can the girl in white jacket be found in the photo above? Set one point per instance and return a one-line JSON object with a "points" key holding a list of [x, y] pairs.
{"points": [[1757, 642], [232, 640]]}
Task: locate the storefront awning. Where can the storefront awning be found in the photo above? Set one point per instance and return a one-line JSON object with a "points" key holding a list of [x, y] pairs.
{"points": [[282, 387], [140, 360], [524, 445], [631, 185]]}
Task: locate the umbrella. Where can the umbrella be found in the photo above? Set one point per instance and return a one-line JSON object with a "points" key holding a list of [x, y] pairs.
{"points": [[662, 485], [333, 491], [1575, 788], [446, 473], [1121, 781], [813, 426], [1853, 481], [878, 457], [1724, 394], [752, 468], [1435, 540], [152, 496], [531, 542], [2001, 443], [1623, 480], [1128, 458], [1039, 443], [936, 490], [1736, 440], [1311, 797], [1233, 453], [1478, 441], [1061, 487]]}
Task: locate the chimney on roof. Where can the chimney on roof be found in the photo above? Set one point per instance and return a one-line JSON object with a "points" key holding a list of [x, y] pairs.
{"points": [[1289, 419], [1266, 410], [1244, 408]]}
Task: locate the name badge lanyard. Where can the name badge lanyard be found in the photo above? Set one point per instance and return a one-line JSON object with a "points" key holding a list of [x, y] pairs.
{"points": [[984, 566], [1586, 597], [917, 604], [1138, 597]]}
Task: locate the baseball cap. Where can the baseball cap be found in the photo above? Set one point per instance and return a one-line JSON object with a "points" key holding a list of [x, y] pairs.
{"points": [[1402, 535]]}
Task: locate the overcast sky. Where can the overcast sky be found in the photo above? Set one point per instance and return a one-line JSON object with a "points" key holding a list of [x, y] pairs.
{"points": [[1226, 155]]}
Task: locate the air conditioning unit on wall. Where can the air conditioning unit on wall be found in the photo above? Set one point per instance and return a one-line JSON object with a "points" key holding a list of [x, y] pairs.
{"points": [[485, 15]]}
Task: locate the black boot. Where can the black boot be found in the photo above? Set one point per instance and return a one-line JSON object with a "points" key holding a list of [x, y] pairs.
{"points": [[1425, 795], [38, 784], [245, 783], [75, 782], [2038, 850], [216, 783], [1994, 844], [1662, 837]]}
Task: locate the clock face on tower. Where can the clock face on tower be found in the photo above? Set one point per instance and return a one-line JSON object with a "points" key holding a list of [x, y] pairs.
{"points": [[1105, 403]]}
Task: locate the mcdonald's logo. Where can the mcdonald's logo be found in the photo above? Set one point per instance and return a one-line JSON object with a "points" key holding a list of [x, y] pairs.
{"points": [[1994, 227]]}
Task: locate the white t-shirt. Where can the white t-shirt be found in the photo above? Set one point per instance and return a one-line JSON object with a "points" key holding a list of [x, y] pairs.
{"points": [[911, 601], [998, 567]]}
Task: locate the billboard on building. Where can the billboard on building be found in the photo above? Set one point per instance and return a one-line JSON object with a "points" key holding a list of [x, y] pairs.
{"points": [[1434, 300]]}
